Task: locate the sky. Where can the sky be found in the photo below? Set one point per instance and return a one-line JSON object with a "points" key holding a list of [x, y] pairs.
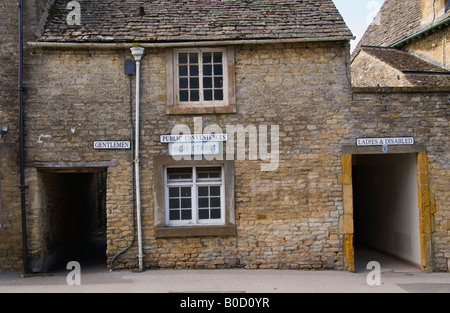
{"points": [[358, 14]]}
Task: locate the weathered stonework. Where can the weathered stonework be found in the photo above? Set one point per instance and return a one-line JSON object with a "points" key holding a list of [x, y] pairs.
{"points": [[430, 9], [424, 115], [295, 217], [10, 232], [290, 218], [284, 219], [434, 48]]}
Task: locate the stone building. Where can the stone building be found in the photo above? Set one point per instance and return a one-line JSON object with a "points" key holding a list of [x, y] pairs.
{"points": [[407, 45], [214, 134], [401, 66]]}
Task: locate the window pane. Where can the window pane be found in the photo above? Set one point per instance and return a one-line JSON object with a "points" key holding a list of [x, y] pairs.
{"points": [[215, 214], [209, 172], [207, 82], [203, 191], [194, 83], [207, 70], [195, 95], [203, 203], [184, 95], [174, 215], [183, 70], [179, 173], [218, 82], [193, 70], [193, 58], [218, 71], [215, 191], [182, 58], [186, 203], [207, 57], [217, 57], [214, 202], [184, 83], [185, 191], [208, 94], [186, 215], [174, 203], [203, 214], [174, 192], [218, 94]]}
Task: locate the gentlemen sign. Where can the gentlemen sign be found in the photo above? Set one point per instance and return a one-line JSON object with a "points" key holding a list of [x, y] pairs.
{"points": [[361, 142], [112, 145]]}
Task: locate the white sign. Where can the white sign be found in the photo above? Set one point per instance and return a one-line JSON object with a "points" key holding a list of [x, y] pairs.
{"points": [[112, 145], [194, 148], [384, 141], [193, 138]]}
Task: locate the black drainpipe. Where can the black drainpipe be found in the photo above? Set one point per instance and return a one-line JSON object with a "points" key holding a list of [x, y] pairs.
{"points": [[22, 148]]}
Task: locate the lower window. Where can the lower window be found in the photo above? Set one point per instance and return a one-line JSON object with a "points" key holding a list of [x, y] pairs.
{"points": [[194, 196]]}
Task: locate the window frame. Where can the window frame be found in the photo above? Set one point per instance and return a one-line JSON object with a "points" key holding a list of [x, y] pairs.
{"points": [[194, 184], [226, 106], [202, 101], [162, 231]]}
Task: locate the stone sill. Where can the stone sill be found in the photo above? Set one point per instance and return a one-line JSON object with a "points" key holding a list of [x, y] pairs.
{"points": [[195, 231], [226, 109]]}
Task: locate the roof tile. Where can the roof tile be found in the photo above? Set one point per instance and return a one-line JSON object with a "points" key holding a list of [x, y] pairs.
{"points": [[195, 20]]}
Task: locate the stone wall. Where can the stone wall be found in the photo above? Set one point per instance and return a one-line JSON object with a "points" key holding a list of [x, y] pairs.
{"points": [[424, 116], [430, 10], [284, 219], [368, 71], [434, 48], [10, 232], [288, 218]]}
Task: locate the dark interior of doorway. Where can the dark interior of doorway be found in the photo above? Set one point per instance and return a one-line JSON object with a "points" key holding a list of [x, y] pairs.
{"points": [[385, 211], [75, 205]]}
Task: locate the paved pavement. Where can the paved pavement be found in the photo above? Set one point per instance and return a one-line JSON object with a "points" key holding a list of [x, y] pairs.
{"points": [[100, 280]]}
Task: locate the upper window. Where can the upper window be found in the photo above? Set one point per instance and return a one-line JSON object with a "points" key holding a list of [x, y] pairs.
{"points": [[447, 5], [194, 196], [200, 79]]}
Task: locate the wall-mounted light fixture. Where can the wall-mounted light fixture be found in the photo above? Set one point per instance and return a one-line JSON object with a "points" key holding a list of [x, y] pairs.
{"points": [[3, 130]]}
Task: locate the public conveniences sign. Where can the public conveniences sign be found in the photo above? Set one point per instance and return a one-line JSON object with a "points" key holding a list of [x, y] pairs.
{"points": [[194, 144], [193, 138]]}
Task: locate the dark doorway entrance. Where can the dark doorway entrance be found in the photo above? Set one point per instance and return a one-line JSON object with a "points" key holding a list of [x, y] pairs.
{"points": [[74, 218], [385, 206]]}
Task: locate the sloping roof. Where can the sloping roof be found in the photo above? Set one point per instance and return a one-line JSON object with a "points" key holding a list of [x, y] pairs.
{"points": [[410, 71], [195, 20], [396, 20], [402, 61]]}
